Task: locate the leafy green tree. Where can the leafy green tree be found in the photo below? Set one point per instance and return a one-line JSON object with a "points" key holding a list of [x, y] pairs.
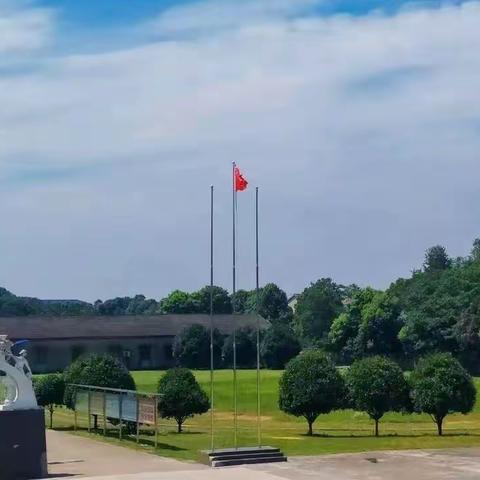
{"points": [[433, 305], [191, 348], [466, 332], [344, 329], [440, 386], [182, 396], [11, 305], [246, 346], [316, 309], [221, 300], [341, 337], [241, 301], [279, 345], [421, 335], [272, 302], [140, 305], [50, 390], [436, 259], [475, 254], [98, 371], [379, 327], [66, 307], [178, 302], [114, 306], [376, 385], [311, 386]]}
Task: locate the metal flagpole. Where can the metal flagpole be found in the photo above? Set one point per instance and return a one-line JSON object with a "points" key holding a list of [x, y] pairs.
{"points": [[257, 291], [211, 322], [234, 226]]}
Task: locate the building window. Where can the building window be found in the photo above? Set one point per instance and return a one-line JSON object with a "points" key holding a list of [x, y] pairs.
{"points": [[168, 351], [145, 355], [115, 351], [41, 355], [77, 351]]}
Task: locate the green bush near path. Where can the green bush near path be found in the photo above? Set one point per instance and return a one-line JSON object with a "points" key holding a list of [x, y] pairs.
{"points": [[338, 432]]}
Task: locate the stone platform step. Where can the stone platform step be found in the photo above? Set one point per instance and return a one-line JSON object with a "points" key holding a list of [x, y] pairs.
{"points": [[227, 457]]}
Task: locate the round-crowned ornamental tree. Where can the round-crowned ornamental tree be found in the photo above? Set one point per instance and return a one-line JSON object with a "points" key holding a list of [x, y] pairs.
{"points": [[310, 386]]}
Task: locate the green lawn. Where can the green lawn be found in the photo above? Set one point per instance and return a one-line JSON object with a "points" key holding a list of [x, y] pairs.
{"points": [[343, 431]]}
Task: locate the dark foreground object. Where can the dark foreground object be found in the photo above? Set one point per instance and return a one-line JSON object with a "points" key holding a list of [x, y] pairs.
{"points": [[227, 457], [23, 449]]}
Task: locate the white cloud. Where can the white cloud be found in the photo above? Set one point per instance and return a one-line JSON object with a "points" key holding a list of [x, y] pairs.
{"points": [[205, 17], [363, 133], [24, 29]]}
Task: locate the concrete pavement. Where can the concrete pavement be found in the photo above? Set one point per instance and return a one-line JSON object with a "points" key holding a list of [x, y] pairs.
{"points": [[445, 464], [72, 456]]}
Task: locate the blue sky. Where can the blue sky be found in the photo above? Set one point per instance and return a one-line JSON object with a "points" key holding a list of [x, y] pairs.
{"points": [[90, 13], [358, 120]]}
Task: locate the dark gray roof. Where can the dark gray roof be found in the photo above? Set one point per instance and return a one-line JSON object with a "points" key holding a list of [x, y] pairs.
{"points": [[44, 327]]}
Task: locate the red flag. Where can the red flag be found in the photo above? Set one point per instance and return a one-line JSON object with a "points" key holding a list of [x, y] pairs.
{"points": [[240, 182]]}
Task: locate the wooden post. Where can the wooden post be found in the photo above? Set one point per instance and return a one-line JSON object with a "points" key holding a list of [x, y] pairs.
{"points": [[104, 413], [75, 411], [120, 414], [156, 421], [88, 411], [138, 424]]}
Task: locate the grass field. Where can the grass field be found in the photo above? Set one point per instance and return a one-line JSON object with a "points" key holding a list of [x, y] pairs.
{"points": [[342, 431]]}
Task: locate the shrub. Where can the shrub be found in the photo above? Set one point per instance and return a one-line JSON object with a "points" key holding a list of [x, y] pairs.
{"points": [[440, 385], [182, 396], [279, 345], [310, 386], [246, 342], [191, 347], [99, 371], [49, 390], [376, 385]]}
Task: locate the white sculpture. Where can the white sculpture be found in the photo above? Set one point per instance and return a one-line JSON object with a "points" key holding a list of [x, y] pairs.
{"points": [[17, 378]]}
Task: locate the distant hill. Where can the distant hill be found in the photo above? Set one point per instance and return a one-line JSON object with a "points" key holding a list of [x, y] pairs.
{"points": [[13, 305]]}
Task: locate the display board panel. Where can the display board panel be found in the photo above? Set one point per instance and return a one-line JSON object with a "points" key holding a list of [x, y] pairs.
{"points": [[146, 410], [129, 407], [112, 405], [96, 402], [81, 401]]}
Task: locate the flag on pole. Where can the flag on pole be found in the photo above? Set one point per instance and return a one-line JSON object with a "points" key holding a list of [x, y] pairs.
{"points": [[241, 183]]}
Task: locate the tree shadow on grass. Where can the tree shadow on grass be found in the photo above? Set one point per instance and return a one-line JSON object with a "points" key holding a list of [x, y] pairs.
{"points": [[150, 442], [62, 429], [186, 433], [62, 475], [391, 435], [130, 439]]}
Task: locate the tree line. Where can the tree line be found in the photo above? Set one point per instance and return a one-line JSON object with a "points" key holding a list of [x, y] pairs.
{"points": [[272, 304], [437, 309], [278, 344], [310, 386], [438, 386]]}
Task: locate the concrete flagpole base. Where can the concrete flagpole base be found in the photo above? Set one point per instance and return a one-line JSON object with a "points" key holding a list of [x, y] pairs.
{"points": [[228, 457], [23, 448]]}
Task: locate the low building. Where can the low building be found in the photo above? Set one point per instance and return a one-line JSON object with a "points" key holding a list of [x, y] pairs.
{"points": [[141, 341]]}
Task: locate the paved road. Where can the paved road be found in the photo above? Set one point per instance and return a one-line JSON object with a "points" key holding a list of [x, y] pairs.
{"points": [[448, 464], [70, 455]]}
